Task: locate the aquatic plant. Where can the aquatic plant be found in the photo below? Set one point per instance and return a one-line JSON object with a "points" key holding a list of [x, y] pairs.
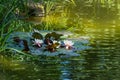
{"points": [[52, 44], [57, 15], [49, 42], [37, 42], [68, 44], [10, 21]]}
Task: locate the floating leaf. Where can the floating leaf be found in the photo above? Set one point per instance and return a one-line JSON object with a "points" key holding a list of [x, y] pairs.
{"points": [[25, 43], [53, 47], [56, 36], [48, 41], [21, 42], [37, 35], [48, 36], [53, 35], [16, 39]]}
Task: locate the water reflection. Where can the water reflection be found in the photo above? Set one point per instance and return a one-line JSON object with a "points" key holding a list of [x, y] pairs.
{"points": [[103, 59], [65, 71], [99, 63]]}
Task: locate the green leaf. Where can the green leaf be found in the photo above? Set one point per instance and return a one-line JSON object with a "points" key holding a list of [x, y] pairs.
{"points": [[53, 35], [37, 35]]}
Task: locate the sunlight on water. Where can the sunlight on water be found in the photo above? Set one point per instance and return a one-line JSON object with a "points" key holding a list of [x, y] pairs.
{"points": [[101, 62]]}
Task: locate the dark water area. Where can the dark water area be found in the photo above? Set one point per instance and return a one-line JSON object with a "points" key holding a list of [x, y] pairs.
{"points": [[102, 62]]}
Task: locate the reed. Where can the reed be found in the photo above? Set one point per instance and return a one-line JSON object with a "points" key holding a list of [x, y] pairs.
{"points": [[9, 20]]}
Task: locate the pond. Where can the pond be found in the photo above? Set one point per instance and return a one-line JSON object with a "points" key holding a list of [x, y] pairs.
{"points": [[96, 19], [101, 62]]}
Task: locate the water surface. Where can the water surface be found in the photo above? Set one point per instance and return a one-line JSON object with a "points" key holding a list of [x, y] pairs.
{"points": [[102, 62]]}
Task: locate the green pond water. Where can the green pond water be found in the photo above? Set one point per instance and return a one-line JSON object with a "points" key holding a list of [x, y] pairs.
{"points": [[102, 62]]}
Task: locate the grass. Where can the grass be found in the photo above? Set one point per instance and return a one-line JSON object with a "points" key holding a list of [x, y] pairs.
{"points": [[9, 21], [53, 22]]}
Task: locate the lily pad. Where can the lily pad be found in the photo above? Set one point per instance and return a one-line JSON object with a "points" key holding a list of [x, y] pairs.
{"points": [[37, 35], [53, 35], [77, 47]]}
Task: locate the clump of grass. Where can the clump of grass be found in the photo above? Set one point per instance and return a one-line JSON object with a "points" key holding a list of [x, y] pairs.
{"points": [[53, 22], [9, 21], [56, 17]]}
